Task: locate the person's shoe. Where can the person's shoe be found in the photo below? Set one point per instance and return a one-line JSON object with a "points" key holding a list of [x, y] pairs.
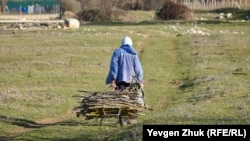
{"points": [[132, 121], [123, 122]]}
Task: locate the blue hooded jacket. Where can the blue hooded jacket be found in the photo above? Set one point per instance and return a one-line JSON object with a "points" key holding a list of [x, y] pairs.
{"points": [[125, 64]]}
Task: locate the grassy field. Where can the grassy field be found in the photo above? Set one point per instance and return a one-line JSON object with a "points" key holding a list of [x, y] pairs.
{"points": [[195, 73]]}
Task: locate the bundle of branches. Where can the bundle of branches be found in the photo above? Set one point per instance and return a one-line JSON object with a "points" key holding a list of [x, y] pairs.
{"points": [[109, 104]]}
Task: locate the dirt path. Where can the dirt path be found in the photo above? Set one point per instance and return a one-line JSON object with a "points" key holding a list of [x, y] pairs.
{"points": [[68, 115], [39, 124]]}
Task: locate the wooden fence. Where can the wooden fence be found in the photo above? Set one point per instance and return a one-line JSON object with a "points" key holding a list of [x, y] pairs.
{"points": [[214, 4]]}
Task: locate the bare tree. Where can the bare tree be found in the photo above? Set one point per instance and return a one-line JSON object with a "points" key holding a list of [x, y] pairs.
{"points": [[69, 5], [2, 5], [153, 4], [90, 4]]}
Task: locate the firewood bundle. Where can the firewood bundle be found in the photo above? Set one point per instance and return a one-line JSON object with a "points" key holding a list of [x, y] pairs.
{"points": [[109, 104]]}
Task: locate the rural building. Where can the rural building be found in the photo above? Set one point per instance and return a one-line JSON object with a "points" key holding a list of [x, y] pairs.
{"points": [[32, 6]]}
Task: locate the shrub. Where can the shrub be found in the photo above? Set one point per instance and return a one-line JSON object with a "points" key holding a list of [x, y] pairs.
{"points": [[174, 11], [92, 15]]}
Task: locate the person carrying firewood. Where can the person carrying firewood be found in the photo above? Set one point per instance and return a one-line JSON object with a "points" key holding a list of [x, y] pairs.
{"points": [[125, 67]]}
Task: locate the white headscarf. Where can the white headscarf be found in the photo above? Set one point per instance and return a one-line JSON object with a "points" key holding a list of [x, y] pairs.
{"points": [[127, 41], [127, 45]]}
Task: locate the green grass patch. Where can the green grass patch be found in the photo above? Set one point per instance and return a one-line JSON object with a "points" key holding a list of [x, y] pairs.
{"points": [[194, 74]]}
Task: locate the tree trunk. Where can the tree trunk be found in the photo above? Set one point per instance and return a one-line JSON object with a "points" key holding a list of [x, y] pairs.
{"points": [[2, 5]]}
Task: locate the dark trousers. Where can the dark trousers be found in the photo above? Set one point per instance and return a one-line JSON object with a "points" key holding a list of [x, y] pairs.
{"points": [[123, 85]]}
